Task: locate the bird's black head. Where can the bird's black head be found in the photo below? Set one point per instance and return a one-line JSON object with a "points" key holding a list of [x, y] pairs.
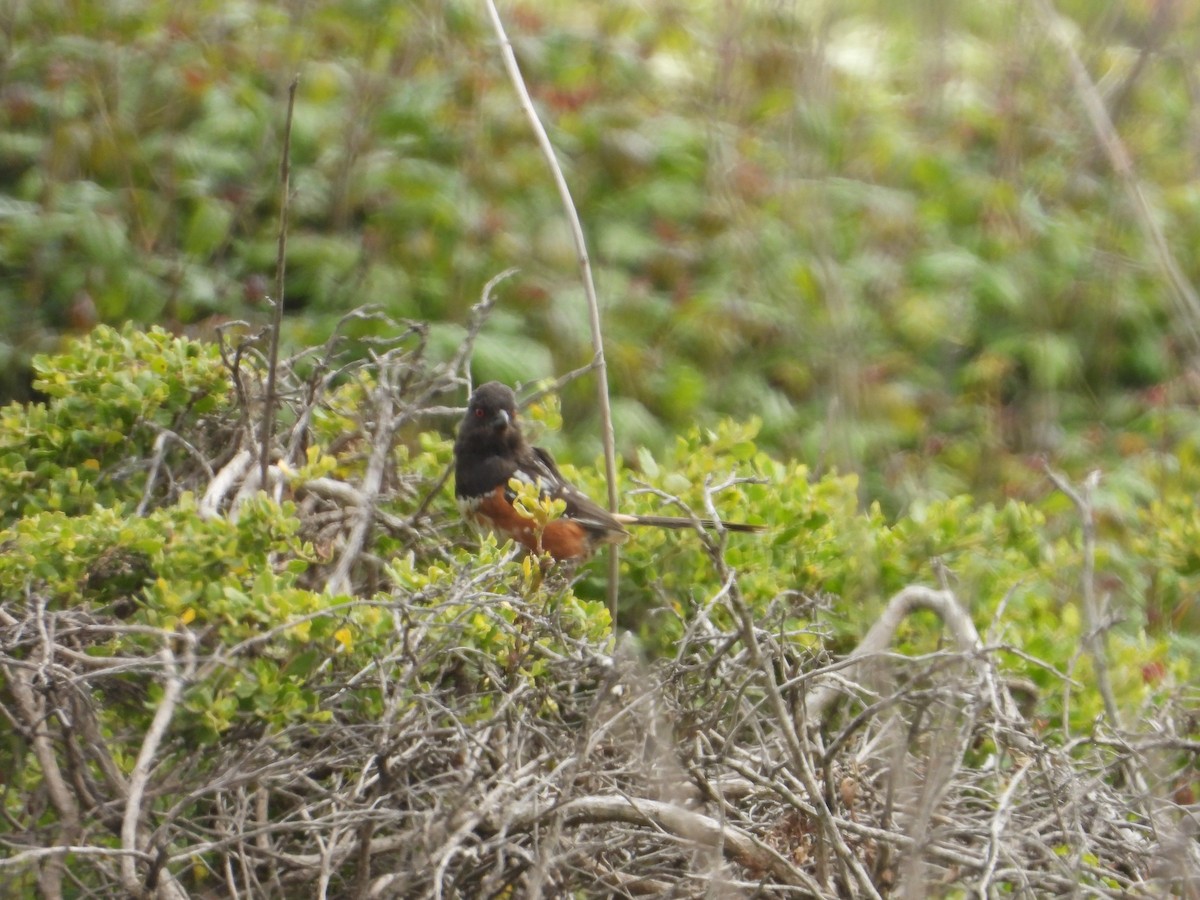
{"points": [[489, 440], [490, 425], [493, 408]]}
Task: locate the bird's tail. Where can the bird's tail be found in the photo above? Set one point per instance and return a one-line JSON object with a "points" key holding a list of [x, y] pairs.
{"points": [[682, 522]]}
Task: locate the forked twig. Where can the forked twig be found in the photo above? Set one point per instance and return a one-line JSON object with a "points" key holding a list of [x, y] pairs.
{"points": [[476, 318], [1094, 619]]}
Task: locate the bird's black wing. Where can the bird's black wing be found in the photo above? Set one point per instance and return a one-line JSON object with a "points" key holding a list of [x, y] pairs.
{"points": [[538, 467]]}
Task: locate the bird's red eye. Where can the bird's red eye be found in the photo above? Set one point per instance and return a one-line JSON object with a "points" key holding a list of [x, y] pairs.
{"points": [[479, 412]]}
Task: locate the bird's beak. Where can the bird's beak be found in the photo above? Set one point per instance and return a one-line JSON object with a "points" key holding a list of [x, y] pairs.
{"points": [[501, 421]]}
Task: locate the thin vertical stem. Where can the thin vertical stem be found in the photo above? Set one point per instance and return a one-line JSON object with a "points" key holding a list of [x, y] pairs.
{"points": [[589, 288], [285, 174]]}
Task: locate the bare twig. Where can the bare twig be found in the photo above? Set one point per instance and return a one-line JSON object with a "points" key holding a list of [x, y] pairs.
{"points": [[225, 481], [33, 712], [381, 449], [1096, 624], [140, 776], [1000, 819], [881, 633], [704, 830], [475, 321], [160, 450], [557, 385]]}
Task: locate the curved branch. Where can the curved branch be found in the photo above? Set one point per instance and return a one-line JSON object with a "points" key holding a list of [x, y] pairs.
{"points": [[902, 605], [736, 844]]}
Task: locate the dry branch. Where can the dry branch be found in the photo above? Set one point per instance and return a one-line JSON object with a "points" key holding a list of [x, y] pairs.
{"points": [[704, 831], [140, 776]]}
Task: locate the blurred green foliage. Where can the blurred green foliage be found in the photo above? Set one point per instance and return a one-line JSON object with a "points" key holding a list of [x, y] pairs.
{"points": [[884, 229]]}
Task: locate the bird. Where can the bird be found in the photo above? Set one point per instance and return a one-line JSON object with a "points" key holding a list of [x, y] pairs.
{"points": [[490, 450]]}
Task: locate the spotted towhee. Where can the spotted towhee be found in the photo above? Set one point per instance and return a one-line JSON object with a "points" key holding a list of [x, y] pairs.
{"points": [[490, 450]]}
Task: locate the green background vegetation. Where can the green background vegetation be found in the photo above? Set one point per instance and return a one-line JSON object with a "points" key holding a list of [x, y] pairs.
{"points": [[886, 230]]}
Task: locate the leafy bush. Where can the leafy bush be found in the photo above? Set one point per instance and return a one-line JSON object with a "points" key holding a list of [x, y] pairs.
{"points": [[155, 602], [108, 403]]}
